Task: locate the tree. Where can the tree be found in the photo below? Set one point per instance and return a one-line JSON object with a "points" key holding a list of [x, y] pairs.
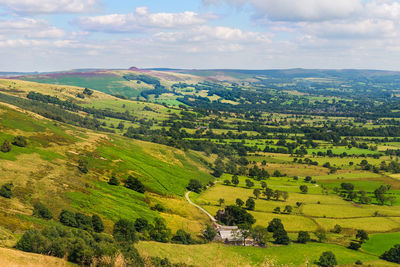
{"points": [[263, 184], [362, 236], [19, 141], [227, 182], [239, 202], [256, 192], [121, 126], [234, 215], [141, 224], [303, 189], [260, 235], [250, 204], [194, 185], [67, 218], [327, 259], [134, 184], [83, 221], [125, 231], [321, 235], [285, 195], [249, 183], [268, 193], [221, 201], [113, 181], [303, 237], [209, 233], [235, 180], [159, 232], [6, 147], [6, 190], [380, 194], [277, 210], [83, 166], [277, 194], [219, 168], [281, 237], [41, 211], [355, 245], [181, 237], [274, 225], [337, 229], [392, 255], [97, 223], [288, 209]]}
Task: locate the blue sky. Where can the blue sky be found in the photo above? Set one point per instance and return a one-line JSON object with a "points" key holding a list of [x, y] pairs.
{"points": [[48, 35]]}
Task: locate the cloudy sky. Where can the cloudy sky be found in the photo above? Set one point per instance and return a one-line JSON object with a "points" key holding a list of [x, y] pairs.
{"points": [[47, 35]]}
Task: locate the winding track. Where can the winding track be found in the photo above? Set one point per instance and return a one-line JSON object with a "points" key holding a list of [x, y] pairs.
{"points": [[200, 208]]}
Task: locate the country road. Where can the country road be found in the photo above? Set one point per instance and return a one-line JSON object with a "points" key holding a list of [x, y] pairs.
{"points": [[200, 208]]}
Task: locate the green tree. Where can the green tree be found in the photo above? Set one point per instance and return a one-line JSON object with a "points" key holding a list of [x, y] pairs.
{"points": [[235, 180], [260, 235], [268, 193], [221, 201], [392, 255], [263, 185], [41, 211], [277, 210], [19, 141], [181, 237], [209, 233], [113, 181], [288, 209], [159, 232], [67, 218], [125, 231], [249, 183], [134, 184], [194, 185], [141, 224], [303, 237], [355, 245], [250, 204], [239, 202], [97, 223], [274, 225], [256, 192], [303, 189], [6, 147], [321, 235], [362, 235], [6, 190], [219, 167], [281, 237], [327, 259], [337, 229]]}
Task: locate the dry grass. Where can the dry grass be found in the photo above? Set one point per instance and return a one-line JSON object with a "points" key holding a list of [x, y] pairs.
{"points": [[16, 258]]}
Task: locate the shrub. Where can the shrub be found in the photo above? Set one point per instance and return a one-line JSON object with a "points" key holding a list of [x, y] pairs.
{"points": [[97, 223], [303, 237], [134, 184], [354, 245], [83, 221], [125, 231], [6, 147], [181, 237], [113, 181], [337, 229], [19, 141], [67, 218], [194, 185], [281, 237], [392, 255], [32, 241], [158, 207], [327, 259], [209, 233], [141, 224], [41, 211], [6, 190], [250, 204]]}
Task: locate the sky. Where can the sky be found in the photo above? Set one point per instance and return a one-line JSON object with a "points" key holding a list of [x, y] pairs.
{"points": [[53, 35]]}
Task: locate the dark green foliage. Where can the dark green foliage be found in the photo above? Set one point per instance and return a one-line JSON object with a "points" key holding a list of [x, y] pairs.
{"points": [[327, 259], [181, 237], [260, 235], [6, 190], [113, 181], [19, 141], [87, 91], [6, 147], [219, 168], [234, 215], [67, 218], [281, 237], [250, 204], [134, 184], [235, 180], [392, 255], [83, 166], [358, 262], [362, 235], [321, 235], [32, 241], [131, 255], [41, 211], [209, 233], [303, 237], [304, 189], [194, 185], [239, 202], [97, 224], [125, 231], [83, 221], [337, 229], [141, 224], [355, 245], [249, 183], [275, 225], [159, 232], [158, 207]]}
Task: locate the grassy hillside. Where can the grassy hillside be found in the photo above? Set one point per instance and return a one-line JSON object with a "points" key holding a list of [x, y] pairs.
{"points": [[46, 170]]}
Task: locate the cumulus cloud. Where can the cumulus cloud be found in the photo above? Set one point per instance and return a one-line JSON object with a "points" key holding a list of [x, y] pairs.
{"points": [[141, 20], [49, 6], [30, 28]]}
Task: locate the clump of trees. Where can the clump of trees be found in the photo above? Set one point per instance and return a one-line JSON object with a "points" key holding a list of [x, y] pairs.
{"points": [[327, 259], [195, 186], [392, 255], [279, 233], [41, 211], [82, 221], [234, 215], [134, 184]]}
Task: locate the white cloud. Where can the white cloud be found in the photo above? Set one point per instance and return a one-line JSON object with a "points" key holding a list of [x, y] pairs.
{"points": [[50, 6], [141, 20], [30, 28]]}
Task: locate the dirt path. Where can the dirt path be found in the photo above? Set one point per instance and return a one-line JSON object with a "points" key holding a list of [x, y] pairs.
{"points": [[200, 208]]}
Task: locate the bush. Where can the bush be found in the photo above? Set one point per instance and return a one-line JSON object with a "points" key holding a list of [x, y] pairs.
{"points": [[181, 237], [209, 233], [67, 218], [327, 259], [83, 221], [337, 229], [281, 237], [33, 241], [6, 190], [20, 141], [6, 147], [97, 223], [125, 231], [358, 262], [392, 255], [82, 166], [194, 185], [159, 232], [303, 237], [250, 204], [354, 245], [158, 207], [113, 181], [134, 184], [41, 211]]}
